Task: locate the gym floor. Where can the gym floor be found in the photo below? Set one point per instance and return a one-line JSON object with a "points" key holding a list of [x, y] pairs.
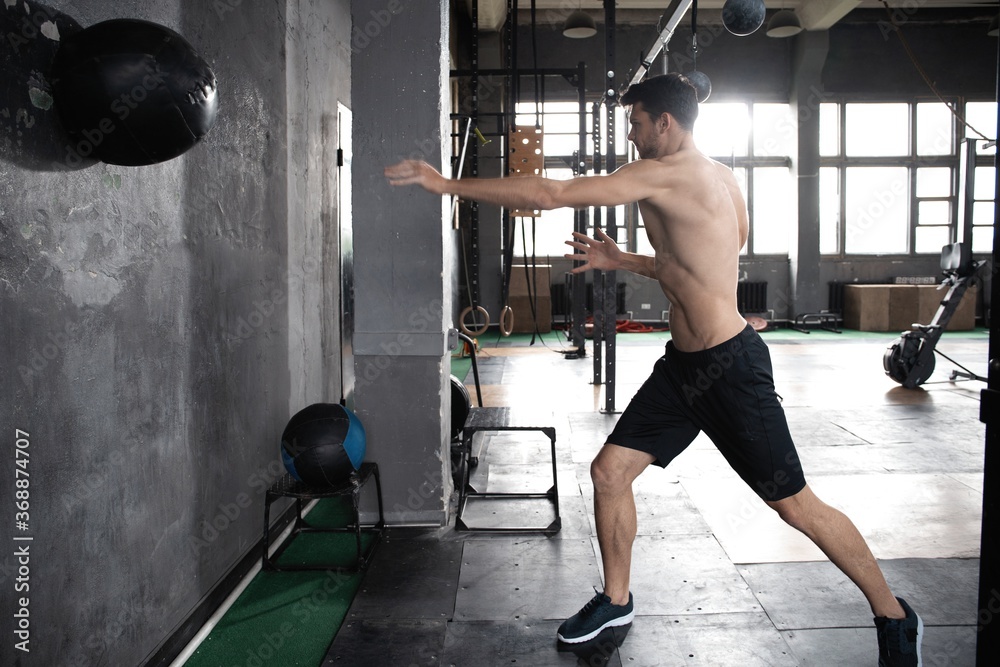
{"points": [[718, 579]]}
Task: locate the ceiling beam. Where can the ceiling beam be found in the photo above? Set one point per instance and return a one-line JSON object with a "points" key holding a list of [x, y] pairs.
{"points": [[821, 14], [492, 14]]}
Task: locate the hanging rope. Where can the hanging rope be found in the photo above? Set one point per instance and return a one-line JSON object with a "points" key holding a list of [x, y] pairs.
{"points": [[923, 74]]}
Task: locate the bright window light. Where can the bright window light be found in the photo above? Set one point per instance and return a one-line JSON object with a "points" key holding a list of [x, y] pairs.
{"points": [[877, 210], [877, 129]]}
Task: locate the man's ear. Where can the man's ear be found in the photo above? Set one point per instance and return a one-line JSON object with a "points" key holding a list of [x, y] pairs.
{"points": [[665, 121]]}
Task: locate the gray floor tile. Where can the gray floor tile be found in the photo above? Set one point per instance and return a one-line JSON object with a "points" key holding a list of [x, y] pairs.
{"points": [[915, 457], [712, 640], [817, 595], [662, 506], [506, 578], [502, 644], [387, 643], [411, 576], [943, 646], [686, 574]]}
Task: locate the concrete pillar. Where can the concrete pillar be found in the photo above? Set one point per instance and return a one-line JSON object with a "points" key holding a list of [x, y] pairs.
{"points": [[807, 294], [404, 254]]}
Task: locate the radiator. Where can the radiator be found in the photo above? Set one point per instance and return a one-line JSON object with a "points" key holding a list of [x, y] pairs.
{"points": [[835, 297], [751, 297]]}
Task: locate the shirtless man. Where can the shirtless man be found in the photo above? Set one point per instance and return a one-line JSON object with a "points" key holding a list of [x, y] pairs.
{"points": [[697, 222]]}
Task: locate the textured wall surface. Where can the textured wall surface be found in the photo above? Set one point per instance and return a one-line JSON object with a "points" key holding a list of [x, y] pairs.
{"points": [[159, 323], [404, 254]]}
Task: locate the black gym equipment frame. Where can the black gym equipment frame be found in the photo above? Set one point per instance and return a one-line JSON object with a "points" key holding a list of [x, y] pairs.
{"points": [[577, 78], [505, 122], [988, 610], [605, 282]]}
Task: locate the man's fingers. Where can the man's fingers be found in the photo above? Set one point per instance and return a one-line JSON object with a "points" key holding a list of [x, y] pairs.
{"points": [[402, 169]]}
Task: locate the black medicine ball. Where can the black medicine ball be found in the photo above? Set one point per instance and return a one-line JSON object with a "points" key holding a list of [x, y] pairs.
{"points": [[133, 92]]}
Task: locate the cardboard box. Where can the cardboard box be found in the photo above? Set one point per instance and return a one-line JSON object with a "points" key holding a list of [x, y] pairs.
{"points": [[521, 305], [929, 298], [866, 307], [540, 274], [902, 306], [520, 302]]}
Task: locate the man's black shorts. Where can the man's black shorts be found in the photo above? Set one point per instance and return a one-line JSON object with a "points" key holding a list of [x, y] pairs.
{"points": [[727, 391]]}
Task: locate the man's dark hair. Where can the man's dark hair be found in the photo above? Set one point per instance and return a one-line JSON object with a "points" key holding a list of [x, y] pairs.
{"points": [[671, 93]]}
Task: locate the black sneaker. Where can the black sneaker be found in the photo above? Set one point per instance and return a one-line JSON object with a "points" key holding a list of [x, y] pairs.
{"points": [[899, 639], [596, 615]]}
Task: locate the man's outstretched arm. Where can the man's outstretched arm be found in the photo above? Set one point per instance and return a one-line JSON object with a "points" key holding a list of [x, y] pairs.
{"points": [[630, 183]]}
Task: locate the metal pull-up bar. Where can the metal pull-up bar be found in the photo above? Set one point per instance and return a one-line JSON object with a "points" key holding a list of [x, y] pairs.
{"points": [[661, 40]]}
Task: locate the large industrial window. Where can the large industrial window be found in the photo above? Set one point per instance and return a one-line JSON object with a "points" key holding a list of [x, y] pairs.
{"points": [[889, 180], [983, 117], [756, 140], [560, 123]]}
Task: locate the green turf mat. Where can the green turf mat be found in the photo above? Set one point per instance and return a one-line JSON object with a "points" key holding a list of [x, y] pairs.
{"points": [[460, 367], [289, 619], [282, 619], [331, 513], [557, 339], [325, 549]]}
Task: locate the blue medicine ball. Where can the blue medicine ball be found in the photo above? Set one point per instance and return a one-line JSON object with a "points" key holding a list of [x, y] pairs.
{"points": [[323, 444]]}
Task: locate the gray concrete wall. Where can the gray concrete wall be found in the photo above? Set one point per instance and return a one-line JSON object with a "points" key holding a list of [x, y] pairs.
{"points": [[157, 326], [404, 250]]}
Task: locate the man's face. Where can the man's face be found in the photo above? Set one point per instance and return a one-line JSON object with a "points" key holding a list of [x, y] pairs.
{"points": [[644, 133]]}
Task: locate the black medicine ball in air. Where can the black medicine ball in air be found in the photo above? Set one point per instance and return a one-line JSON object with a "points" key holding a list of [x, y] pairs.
{"points": [[743, 17], [132, 92]]}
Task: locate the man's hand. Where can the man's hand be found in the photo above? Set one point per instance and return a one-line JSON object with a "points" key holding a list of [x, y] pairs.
{"points": [[601, 253], [410, 172]]}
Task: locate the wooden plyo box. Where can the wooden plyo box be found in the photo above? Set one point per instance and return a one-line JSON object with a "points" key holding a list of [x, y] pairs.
{"points": [[929, 298], [520, 302], [866, 307], [899, 307], [902, 306]]}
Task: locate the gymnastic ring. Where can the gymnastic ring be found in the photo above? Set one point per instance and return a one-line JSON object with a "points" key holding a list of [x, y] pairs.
{"points": [[477, 332], [506, 321]]}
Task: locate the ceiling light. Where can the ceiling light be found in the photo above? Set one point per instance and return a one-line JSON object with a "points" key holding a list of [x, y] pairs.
{"points": [[579, 25], [784, 23]]}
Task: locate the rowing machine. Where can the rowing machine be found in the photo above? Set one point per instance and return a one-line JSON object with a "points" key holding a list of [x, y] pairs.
{"points": [[910, 359]]}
